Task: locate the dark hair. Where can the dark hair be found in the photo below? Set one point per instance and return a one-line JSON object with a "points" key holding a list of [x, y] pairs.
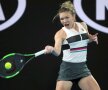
{"points": [[66, 6]]}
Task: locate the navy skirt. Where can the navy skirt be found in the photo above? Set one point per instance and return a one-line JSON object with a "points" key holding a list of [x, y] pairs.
{"points": [[70, 71]]}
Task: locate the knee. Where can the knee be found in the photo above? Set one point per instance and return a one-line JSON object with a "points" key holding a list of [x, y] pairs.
{"points": [[63, 85]]}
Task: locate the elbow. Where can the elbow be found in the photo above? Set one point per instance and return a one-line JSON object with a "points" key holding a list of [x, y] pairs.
{"points": [[56, 53]]}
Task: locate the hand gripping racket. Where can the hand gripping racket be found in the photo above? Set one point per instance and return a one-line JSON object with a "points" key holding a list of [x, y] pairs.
{"points": [[11, 64]]}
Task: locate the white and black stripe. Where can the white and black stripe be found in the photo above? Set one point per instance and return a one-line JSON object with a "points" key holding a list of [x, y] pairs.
{"points": [[75, 45]]}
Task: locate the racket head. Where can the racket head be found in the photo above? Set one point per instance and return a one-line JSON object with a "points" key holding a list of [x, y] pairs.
{"points": [[11, 64]]}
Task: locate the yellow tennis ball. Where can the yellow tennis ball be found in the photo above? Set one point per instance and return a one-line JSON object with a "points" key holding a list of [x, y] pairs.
{"points": [[8, 65]]}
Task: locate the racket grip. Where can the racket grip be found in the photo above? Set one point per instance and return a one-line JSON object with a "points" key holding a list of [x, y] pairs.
{"points": [[39, 53]]}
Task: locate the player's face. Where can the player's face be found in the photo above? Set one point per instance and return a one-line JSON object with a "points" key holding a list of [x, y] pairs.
{"points": [[67, 19]]}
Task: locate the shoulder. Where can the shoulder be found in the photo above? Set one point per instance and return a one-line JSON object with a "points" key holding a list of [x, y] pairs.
{"points": [[84, 25], [60, 34]]}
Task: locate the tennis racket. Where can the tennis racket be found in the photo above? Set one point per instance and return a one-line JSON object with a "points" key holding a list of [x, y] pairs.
{"points": [[11, 64]]}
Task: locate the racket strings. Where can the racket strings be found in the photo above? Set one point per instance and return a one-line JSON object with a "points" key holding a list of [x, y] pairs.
{"points": [[30, 59]]}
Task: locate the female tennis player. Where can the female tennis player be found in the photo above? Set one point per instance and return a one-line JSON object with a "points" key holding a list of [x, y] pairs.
{"points": [[73, 39]]}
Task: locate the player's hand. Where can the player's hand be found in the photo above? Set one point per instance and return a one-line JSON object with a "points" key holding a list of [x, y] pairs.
{"points": [[94, 37], [49, 49]]}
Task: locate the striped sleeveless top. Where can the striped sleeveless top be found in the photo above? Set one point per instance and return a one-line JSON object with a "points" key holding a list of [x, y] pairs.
{"points": [[75, 45]]}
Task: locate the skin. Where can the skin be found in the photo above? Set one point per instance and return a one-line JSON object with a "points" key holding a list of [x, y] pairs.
{"points": [[68, 20]]}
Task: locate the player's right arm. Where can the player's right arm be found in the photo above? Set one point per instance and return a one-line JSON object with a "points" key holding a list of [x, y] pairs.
{"points": [[59, 37]]}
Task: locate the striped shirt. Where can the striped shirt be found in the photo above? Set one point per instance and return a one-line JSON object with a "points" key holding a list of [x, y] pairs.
{"points": [[75, 45]]}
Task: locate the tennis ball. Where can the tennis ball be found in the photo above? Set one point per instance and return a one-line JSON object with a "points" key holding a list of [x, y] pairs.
{"points": [[8, 65]]}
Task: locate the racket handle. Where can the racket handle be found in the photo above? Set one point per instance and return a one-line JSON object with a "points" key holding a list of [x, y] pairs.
{"points": [[39, 53]]}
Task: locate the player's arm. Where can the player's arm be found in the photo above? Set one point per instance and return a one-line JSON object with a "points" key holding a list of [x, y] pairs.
{"points": [[58, 42], [56, 49], [91, 37]]}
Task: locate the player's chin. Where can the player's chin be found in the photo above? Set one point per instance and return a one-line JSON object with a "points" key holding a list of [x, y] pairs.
{"points": [[67, 27]]}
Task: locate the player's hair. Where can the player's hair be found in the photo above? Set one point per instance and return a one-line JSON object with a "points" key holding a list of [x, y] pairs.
{"points": [[66, 6]]}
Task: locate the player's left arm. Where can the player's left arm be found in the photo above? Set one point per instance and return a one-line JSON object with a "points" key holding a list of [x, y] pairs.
{"points": [[91, 37]]}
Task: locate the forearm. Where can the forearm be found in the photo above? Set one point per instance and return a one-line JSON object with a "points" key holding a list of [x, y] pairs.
{"points": [[56, 52], [52, 50]]}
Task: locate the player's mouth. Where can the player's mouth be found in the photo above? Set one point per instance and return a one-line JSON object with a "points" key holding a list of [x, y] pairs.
{"points": [[66, 25]]}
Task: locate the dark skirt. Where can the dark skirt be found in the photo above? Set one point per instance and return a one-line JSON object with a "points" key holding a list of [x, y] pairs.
{"points": [[70, 71]]}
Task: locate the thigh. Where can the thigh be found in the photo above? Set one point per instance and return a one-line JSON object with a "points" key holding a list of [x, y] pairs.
{"points": [[88, 83], [64, 85]]}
